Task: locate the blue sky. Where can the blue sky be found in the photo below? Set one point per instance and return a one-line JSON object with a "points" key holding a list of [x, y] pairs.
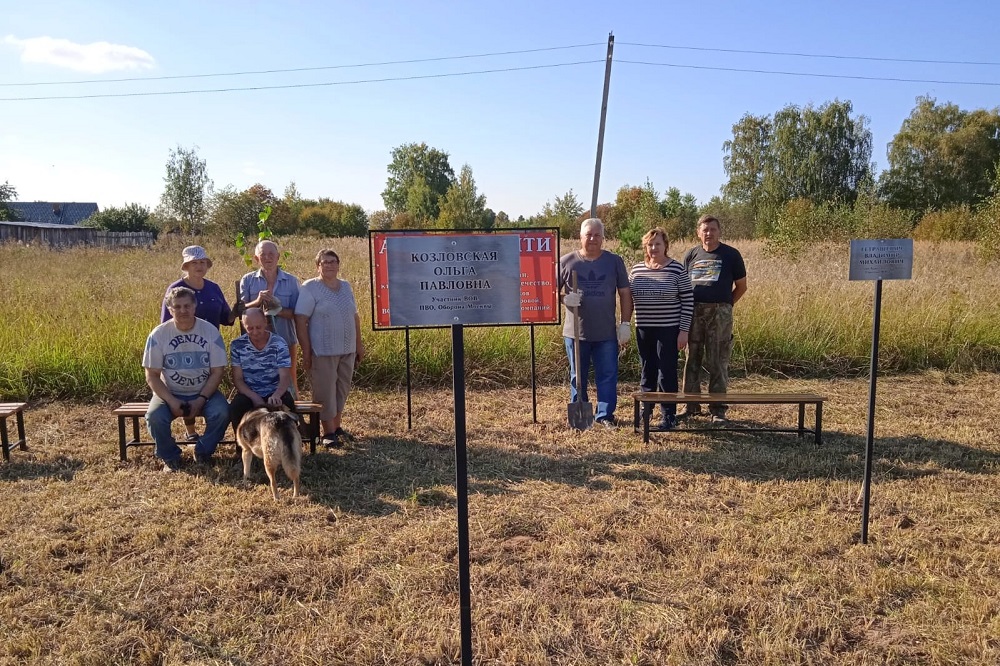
{"points": [[528, 135]]}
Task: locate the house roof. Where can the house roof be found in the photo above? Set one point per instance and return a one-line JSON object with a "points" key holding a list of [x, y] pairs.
{"points": [[51, 212]]}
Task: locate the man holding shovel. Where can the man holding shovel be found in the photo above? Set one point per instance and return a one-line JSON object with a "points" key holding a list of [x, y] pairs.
{"points": [[590, 321]]}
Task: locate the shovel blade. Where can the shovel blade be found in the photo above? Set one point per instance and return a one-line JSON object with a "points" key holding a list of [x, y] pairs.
{"points": [[581, 415]]}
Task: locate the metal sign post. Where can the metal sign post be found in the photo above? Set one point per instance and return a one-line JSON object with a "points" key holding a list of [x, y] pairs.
{"points": [[462, 493], [877, 260]]}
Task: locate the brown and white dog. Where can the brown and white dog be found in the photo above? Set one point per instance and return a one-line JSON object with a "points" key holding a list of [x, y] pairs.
{"points": [[274, 437]]}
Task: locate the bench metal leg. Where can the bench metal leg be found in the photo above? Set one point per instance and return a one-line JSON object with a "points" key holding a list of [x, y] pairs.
{"points": [[802, 419], [819, 423], [4, 442], [122, 453], [312, 425], [635, 415], [23, 444], [646, 414]]}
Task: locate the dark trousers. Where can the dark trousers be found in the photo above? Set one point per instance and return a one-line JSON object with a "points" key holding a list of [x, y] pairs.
{"points": [[658, 361], [242, 404]]}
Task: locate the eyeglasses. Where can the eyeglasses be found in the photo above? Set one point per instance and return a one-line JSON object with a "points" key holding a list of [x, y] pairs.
{"points": [[329, 262]]}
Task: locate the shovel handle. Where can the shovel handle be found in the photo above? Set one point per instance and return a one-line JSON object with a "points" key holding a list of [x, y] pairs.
{"points": [[576, 339]]}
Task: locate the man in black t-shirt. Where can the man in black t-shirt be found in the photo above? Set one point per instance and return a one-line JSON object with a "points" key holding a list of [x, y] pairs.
{"points": [[719, 278]]}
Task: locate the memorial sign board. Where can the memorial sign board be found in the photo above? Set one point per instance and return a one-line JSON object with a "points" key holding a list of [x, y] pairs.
{"points": [[427, 279]]}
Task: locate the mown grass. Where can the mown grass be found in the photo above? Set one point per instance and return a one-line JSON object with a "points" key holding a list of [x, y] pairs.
{"points": [[587, 548], [75, 321]]}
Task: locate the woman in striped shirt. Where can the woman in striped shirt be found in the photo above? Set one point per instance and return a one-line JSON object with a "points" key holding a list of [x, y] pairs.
{"points": [[664, 302]]}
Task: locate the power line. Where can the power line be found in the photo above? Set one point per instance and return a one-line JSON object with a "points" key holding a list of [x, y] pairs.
{"points": [[810, 74], [301, 69], [813, 55], [302, 85]]}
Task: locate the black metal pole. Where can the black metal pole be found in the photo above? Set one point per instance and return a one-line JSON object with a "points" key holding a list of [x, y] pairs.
{"points": [[534, 384], [870, 444], [409, 389], [600, 132], [462, 491]]}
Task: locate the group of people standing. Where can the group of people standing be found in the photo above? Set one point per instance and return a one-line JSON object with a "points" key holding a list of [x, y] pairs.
{"points": [[185, 356], [677, 305]]}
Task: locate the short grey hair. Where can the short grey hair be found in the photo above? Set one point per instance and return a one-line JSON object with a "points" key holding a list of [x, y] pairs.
{"points": [[260, 246], [253, 312], [592, 222], [178, 293]]}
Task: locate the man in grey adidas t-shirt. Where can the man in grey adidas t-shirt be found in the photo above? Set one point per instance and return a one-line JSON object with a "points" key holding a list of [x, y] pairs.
{"points": [[602, 280]]}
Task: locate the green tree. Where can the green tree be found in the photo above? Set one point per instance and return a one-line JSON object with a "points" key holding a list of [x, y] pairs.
{"points": [[7, 194], [822, 154], [680, 213], [294, 204], [427, 169], [132, 217], [335, 219], [184, 202], [564, 213], [635, 207], [462, 207], [747, 163], [421, 204], [380, 219], [942, 156], [233, 212]]}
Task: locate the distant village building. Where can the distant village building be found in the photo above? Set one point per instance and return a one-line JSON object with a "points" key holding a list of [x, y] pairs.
{"points": [[58, 225], [46, 212]]}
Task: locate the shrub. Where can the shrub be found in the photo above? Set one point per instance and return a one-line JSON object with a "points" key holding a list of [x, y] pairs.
{"points": [[988, 221], [951, 224], [132, 217], [880, 220]]}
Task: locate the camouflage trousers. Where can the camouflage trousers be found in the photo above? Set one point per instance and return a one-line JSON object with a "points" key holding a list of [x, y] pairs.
{"points": [[710, 344]]}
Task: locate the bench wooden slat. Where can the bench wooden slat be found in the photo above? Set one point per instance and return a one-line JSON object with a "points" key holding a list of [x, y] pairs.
{"points": [[734, 398], [800, 399]]}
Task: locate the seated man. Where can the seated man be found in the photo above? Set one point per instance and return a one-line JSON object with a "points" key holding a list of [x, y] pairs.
{"points": [[184, 360], [262, 368]]}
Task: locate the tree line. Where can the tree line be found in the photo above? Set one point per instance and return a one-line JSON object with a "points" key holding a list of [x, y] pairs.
{"points": [[799, 174]]}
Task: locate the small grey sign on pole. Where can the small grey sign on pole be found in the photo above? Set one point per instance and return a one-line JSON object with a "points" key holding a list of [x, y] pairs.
{"points": [[877, 260], [882, 259]]}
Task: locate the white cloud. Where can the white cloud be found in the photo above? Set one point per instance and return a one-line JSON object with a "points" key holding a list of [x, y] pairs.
{"points": [[93, 58]]}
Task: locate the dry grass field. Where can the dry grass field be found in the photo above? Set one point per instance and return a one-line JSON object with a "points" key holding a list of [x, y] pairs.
{"points": [[718, 548], [75, 321]]}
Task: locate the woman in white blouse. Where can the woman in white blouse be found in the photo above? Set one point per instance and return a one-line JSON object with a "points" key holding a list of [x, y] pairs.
{"points": [[329, 331]]}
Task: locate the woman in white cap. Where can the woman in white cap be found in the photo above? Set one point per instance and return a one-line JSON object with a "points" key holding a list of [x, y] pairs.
{"points": [[211, 303]]}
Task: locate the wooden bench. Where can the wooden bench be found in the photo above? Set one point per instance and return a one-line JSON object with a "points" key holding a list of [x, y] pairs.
{"points": [[137, 410], [800, 399], [15, 409]]}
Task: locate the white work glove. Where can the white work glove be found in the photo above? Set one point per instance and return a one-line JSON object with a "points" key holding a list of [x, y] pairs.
{"points": [[572, 299], [624, 333]]}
